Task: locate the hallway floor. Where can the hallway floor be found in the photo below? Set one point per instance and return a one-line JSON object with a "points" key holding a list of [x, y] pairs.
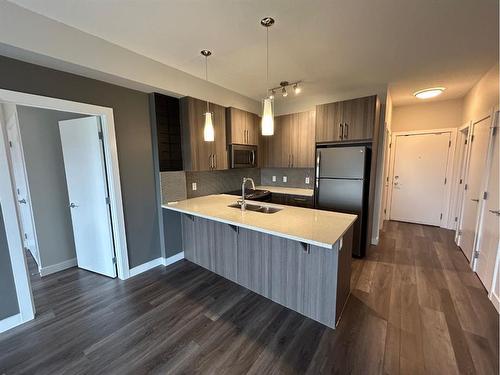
{"points": [[415, 308]]}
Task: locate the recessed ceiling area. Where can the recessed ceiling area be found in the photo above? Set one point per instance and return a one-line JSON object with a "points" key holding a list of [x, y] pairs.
{"points": [[332, 46]]}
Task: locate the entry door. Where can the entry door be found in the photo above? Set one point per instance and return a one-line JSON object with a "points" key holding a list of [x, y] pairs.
{"points": [[418, 186], [488, 240], [476, 170], [21, 182], [88, 194]]}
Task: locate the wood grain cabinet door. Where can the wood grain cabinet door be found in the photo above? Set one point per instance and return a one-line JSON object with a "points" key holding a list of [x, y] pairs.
{"points": [[302, 139], [253, 129], [276, 147], [358, 118], [219, 147], [329, 122], [236, 125]]}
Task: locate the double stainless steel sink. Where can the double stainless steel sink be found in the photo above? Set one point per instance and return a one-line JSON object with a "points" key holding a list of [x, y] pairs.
{"points": [[256, 208]]}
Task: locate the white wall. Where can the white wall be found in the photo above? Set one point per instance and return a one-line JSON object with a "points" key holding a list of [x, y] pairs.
{"points": [[482, 97], [428, 115], [47, 183], [37, 39]]}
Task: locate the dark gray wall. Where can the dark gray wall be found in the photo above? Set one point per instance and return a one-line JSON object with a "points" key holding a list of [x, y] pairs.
{"points": [[8, 297], [172, 230], [133, 136]]}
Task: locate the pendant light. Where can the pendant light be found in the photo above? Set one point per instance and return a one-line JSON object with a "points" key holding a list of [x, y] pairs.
{"points": [[208, 129], [267, 104]]}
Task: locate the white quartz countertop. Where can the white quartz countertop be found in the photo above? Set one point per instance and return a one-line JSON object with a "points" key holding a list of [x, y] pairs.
{"points": [[315, 227], [287, 190]]}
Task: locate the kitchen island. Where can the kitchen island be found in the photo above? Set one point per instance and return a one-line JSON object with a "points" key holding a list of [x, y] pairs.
{"points": [[297, 257]]}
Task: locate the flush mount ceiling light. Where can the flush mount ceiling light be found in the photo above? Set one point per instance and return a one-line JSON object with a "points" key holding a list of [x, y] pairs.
{"points": [[429, 93], [208, 129], [267, 104]]}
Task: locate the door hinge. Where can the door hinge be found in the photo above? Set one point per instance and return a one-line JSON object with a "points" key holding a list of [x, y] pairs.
{"points": [[449, 144], [466, 141], [459, 232], [10, 144], [472, 138], [100, 134], [445, 180], [114, 260], [460, 182], [485, 195], [441, 217], [476, 254], [465, 188], [385, 211], [108, 201], [456, 219], [25, 236], [390, 145]]}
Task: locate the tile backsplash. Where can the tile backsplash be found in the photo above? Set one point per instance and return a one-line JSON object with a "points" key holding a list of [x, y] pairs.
{"points": [[216, 182], [296, 177], [176, 186]]}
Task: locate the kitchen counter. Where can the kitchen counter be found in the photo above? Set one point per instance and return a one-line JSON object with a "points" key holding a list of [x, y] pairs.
{"points": [[297, 257], [310, 226], [288, 190]]}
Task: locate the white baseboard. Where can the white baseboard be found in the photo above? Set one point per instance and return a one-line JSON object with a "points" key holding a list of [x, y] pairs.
{"points": [[10, 322], [174, 258], [146, 266], [155, 263], [44, 271]]}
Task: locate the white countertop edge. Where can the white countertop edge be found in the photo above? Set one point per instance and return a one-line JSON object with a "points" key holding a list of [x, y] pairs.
{"points": [[257, 229]]}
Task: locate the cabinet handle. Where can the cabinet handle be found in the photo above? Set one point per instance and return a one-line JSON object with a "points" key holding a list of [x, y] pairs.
{"points": [[341, 131], [475, 200], [253, 158], [210, 161], [346, 125], [215, 161], [292, 160]]}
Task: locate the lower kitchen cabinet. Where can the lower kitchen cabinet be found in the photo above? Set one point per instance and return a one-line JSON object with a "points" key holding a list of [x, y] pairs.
{"points": [[311, 280], [293, 200]]}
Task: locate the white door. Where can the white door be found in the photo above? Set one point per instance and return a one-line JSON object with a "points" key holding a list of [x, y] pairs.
{"points": [[418, 186], [488, 239], [475, 173], [24, 206], [88, 193]]}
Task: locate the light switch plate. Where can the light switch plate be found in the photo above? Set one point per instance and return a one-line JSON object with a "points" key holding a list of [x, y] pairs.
{"points": [[285, 179], [274, 178], [308, 180], [193, 186]]}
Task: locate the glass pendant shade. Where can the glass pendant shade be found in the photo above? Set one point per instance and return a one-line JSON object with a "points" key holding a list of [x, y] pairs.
{"points": [[208, 130], [267, 117]]}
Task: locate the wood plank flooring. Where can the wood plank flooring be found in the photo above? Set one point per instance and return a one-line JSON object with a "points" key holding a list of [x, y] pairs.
{"points": [[415, 308]]}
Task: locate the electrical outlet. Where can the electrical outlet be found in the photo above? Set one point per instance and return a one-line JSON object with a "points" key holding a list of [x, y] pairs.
{"points": [[285, 179], [274, 178], [308, 180], [193, 186]]}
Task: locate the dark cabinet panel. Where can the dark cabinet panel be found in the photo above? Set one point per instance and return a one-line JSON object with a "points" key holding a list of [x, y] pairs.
{"points": [[166, 117]]}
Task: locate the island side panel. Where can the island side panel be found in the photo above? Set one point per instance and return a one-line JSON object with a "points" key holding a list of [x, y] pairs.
{"points": [[344, 273]]}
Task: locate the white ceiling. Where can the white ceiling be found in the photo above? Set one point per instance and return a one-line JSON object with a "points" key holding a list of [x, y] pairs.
{"points": [[334, 46]]}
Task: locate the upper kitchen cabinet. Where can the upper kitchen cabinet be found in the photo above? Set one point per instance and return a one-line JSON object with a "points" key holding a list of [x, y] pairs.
{"points": [[292, 145], [242, 127], [166, 121], [198, 154], [350, 120]]}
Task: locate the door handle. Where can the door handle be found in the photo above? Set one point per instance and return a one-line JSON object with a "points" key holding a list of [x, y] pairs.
{"points": [[475, 200], [341, 131], [495, 212], [23, 201], [346, 135], [72, 205]]}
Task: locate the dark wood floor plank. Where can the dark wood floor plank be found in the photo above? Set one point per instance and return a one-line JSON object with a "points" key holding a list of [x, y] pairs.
{"points": [[415, 308]]}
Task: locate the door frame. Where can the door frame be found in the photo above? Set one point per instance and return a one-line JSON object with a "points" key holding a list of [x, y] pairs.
{"points": [[463, 166], [449, 168], [7, 196]]}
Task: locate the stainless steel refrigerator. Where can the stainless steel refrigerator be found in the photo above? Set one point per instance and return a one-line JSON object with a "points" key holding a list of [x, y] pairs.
{"points": [[342, 185]]}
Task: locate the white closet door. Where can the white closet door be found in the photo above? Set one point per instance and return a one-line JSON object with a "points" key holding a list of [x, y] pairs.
{"points": [[476, 170], [490, 224], [418, 186], [88, 193]]}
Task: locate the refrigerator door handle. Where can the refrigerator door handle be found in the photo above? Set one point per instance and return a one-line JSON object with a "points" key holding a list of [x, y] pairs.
{"points": [[318, 160]]}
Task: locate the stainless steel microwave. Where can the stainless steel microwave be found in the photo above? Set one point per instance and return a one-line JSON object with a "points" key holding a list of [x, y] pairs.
{"points": [[242, 156]]}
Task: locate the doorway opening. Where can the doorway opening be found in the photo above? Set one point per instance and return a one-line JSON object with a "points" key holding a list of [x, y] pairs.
{"points": [[60, 191]]}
